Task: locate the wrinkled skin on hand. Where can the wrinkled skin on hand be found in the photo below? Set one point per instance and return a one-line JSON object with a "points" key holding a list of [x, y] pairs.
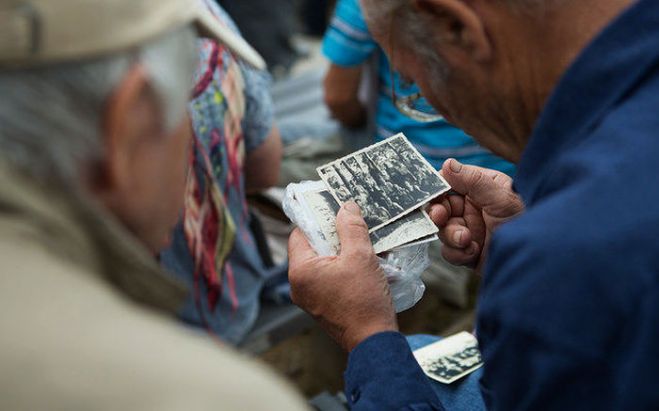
{"points": [[481, 201], [347, 294]]}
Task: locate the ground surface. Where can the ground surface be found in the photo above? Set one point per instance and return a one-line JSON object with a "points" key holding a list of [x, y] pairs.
{"points": [[314, 363]]}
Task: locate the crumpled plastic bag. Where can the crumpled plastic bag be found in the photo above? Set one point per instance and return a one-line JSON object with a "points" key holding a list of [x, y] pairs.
{"points": [[402, 266]]}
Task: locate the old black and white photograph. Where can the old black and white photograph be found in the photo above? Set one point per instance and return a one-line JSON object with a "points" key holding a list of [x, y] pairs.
{"points": [[422, 240], [410, 228], [450, 359], [388, 180], [405, 230], [324, 209]]}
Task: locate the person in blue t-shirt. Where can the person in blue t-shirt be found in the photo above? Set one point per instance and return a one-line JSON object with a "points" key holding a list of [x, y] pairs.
{"points": [[349, 46]]}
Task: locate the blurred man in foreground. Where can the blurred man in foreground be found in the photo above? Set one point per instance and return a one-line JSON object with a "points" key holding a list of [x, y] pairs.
{"points": [[568, 314], [95, 143]]}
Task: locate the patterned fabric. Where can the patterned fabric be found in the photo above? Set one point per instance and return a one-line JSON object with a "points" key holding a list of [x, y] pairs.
{"points": [[348, 43], [213, 249], [208, 226]]}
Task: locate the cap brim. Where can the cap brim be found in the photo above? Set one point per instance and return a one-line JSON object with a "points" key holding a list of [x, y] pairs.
{"points": [[209, 26]]}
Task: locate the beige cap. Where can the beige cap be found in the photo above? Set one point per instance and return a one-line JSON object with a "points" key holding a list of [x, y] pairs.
{"points": [[34, 32]]}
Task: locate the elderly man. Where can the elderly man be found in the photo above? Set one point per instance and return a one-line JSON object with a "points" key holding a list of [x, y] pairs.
{"points": [[568, 314], [95, 142]]}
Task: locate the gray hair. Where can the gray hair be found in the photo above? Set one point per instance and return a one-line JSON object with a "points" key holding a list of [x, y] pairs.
{"points": [[50, 117], [386, 7], [407, 27], [410, 27], [412, 23]]}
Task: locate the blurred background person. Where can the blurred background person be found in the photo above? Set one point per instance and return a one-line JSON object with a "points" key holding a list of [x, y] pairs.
{"points": [[237, 150], [315, 16], [271, 36], [95, 139], [350, 48], [274, 37]]}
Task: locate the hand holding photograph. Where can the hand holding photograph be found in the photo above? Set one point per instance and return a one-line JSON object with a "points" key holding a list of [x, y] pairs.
{"points": [[412, 227], [388, 180]]}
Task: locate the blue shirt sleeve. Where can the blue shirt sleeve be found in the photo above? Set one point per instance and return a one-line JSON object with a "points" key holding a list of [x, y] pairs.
{"points": [[348, 42], [383, 374]]}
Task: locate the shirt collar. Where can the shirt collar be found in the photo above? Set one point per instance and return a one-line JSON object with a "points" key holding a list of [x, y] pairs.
{"points": [[601, 76]]}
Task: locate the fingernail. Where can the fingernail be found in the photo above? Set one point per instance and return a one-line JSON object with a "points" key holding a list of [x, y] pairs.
{"points": [[352, 207], [455, 166], [457, 236]]}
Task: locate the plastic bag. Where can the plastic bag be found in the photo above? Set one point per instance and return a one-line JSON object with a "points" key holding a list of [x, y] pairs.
{"points": [[402, 266]]}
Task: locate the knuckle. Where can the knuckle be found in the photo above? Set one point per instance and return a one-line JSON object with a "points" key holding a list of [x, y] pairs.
{"points": [[455, 205], [502, 179], [457, 256], [443, 236], [361, 252], [294, 281], [297, 277], [456, 222], [477, 179], [355, 222], [294, 297], [438, 216]]}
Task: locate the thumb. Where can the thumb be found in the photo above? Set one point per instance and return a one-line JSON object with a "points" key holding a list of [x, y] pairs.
{"points": [[483, 186], [352, 230]]}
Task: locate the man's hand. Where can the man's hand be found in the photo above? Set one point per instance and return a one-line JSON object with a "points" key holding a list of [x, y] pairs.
{"points": [[484, 200], [348, 294]]}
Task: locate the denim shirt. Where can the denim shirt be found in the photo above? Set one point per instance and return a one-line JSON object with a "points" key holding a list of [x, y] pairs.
{"points": [[568, 314]]}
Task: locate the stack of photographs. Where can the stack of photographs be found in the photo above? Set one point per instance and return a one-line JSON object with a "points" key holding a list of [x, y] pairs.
{"points": [[391, 182]]}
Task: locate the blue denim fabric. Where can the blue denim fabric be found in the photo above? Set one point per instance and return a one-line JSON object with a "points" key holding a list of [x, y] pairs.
{"points": [[568, 313], [463, 395], [382, 374]]}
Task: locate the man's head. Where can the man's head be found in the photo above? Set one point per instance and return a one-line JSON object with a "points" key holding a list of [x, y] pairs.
{"points": [[115, 124], [102, 105], [487, 66]]}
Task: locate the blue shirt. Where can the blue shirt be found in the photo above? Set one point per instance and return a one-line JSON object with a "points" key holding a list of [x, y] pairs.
{"points": [[568, 315], [348, 43], [213, 250]]}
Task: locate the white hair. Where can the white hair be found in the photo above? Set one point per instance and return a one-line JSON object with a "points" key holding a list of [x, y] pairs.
{"points": [[50, 117]]}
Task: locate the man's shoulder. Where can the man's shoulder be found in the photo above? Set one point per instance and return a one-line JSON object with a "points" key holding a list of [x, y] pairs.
{"points": [[601, 188], [592, 220], [575, 277], [583, 252], [81, 344]]}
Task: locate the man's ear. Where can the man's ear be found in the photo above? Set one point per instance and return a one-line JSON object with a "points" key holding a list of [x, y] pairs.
{"points": [[129, 118], [457, 28]]}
